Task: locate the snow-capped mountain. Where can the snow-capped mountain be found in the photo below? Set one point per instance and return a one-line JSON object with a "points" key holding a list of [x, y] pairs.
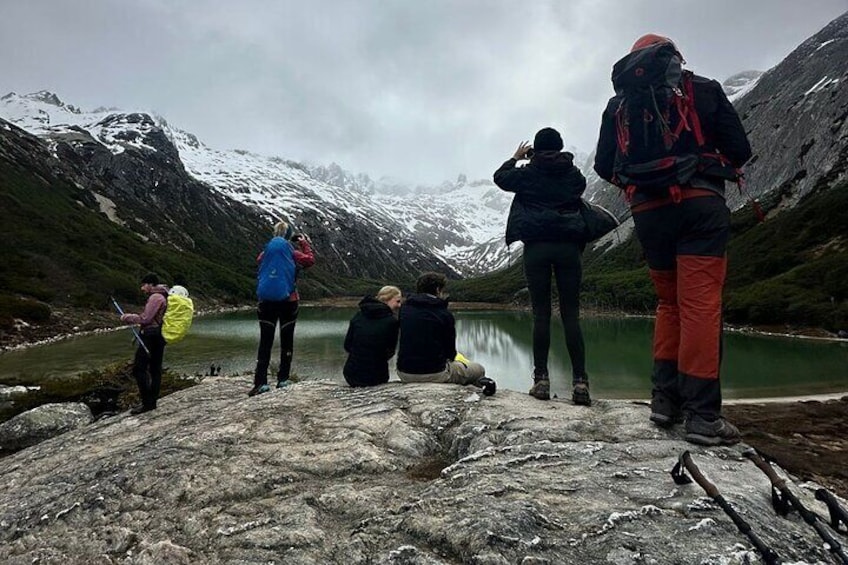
{"points": [[460, 223], [740, 84]]}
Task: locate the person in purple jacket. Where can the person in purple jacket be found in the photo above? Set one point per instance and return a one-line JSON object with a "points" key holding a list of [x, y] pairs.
{"points": [[147, 367]]}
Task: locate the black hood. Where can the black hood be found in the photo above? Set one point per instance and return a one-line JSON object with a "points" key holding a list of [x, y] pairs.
{"points": [[426, 301], [373, 308], [552, 161]]}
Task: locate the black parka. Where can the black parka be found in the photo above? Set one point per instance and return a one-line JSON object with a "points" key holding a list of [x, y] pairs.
{"points": [[370, 342], [427, 335], [547, 198]]}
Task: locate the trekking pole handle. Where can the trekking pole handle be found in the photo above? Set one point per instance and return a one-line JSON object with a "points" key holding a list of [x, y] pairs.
{"points": [[765, 467], [770, 557], [703, 482], [808, 516], [837, 513]]}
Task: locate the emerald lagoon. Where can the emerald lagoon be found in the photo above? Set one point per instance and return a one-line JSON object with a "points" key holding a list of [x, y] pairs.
{"points": [[617, 351]]}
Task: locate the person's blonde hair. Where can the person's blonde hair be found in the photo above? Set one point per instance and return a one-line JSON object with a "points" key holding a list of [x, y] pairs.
{"points": [[280, 229], [387, 293]]}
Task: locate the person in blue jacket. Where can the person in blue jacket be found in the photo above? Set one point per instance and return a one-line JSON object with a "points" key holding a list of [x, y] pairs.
{"points": [[276, 290]]}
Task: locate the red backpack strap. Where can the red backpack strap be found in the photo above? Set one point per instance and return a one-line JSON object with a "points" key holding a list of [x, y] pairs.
{"points": [[695, 121], [622, 133]]}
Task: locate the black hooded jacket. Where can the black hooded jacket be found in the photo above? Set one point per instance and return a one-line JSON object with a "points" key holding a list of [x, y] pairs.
{"points": [[720, 124], [547, 198], [370, 342], [427, 335]]}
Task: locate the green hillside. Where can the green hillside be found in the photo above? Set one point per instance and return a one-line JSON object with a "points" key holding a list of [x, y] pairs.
{"points": [[58, 250]]}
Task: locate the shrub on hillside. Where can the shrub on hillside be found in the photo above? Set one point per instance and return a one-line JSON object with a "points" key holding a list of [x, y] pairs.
{"points": [[12, 307]]}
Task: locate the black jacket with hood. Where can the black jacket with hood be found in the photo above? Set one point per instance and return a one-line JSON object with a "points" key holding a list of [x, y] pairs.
{"points": [[427, 335], [547, 198], [370, 342], [720, 124]]}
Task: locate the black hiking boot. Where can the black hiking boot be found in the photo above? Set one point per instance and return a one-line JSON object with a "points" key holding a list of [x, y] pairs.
{"points": [[141, 409], [716, 432], [664, 413], [488, 385], [580, 394]]}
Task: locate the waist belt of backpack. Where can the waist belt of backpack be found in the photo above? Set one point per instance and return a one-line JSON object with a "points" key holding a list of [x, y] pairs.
{"points": [[683, 194]]}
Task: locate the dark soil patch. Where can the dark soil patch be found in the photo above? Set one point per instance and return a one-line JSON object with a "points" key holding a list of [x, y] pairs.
{"points": [[809, 439]]}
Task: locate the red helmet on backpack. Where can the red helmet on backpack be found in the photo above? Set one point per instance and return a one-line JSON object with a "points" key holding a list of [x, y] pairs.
{"points": [[650, 39]]}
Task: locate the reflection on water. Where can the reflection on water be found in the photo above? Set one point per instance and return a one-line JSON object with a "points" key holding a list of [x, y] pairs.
{"points": [[617, 351]]}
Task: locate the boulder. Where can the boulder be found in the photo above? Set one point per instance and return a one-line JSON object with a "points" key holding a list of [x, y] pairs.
{"points": [[46, 421], [319, 473]]}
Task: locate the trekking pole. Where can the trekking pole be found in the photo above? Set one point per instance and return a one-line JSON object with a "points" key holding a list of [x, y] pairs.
{"points": [[837, 513], [783, 501], [679, 475], [134, 331]]}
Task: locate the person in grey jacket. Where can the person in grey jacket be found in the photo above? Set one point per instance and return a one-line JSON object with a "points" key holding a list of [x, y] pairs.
{"points": [[545, 216]]}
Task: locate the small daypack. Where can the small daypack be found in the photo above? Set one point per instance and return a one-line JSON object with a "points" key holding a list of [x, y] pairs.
{"points": [[277, 272], [178, 317], [658, 134]]}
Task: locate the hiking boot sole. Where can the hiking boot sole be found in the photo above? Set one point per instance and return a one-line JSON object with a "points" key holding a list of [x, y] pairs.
{"points": [[701, 439], [664, 420]]}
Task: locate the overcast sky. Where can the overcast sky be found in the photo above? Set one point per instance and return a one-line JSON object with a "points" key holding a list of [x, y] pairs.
{"points": [[421, 90]]}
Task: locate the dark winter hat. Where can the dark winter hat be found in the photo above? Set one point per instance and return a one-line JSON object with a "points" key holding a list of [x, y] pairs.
{"points": [[547, 139], [150, 278]]}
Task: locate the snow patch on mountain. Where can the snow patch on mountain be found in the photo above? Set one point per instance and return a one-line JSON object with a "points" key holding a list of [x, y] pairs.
{"points": [[740, 84], [461, 222]]}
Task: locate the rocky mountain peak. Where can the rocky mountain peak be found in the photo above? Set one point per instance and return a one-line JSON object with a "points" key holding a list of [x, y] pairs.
{"points": [[737, 85]]}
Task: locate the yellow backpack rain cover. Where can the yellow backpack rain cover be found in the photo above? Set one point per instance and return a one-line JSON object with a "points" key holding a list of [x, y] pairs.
{"points": [[178, 318]]}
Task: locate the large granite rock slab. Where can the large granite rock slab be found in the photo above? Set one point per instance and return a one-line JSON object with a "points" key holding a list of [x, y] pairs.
{"points": [[400, 474], [43, 422]]}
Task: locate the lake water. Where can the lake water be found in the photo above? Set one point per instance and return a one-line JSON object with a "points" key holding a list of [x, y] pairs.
{"points": [[618, 354]]}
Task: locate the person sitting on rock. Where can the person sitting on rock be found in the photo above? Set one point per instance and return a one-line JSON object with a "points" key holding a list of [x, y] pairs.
{"points": [[427, 351], [372, 338]]}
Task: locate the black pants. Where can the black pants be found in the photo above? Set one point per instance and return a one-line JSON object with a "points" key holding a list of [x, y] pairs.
{"points": [[270, 314], [147, 369], [562, 259]]}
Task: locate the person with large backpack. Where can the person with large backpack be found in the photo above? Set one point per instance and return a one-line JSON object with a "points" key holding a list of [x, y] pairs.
{"points": [[545, 216], [147, 365], [670, 139], [276, 289]]}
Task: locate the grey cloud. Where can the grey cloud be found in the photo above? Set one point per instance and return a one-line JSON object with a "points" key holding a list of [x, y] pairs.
{"points": [[421, 91]]}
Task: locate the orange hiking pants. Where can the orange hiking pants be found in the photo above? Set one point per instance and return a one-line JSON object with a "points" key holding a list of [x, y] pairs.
{"points": [[685, 246]]}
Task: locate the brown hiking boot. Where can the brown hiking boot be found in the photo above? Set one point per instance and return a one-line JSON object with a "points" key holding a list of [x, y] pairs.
{"points": [[716, 432], [580, 394], [541, 389]]}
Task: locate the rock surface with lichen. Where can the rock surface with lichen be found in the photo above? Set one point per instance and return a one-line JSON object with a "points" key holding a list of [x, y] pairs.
{"points": [[398, 474]]}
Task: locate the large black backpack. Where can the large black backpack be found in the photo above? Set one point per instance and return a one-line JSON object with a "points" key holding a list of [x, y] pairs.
{"points": [[658, 133]]}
